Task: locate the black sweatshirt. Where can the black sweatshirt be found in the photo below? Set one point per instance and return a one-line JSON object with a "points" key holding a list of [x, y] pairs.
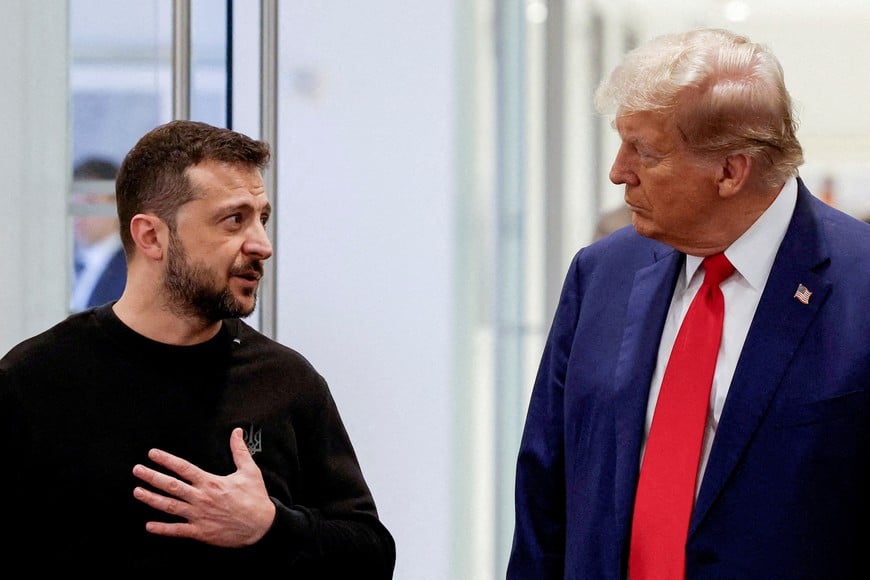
{"points": [[83, 402]]}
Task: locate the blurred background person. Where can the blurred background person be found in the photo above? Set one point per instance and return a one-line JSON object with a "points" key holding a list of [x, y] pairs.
{"points": [[612, 220], [100, 270]]}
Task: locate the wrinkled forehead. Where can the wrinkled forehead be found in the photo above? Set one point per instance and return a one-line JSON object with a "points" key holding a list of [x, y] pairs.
{"points": [[647, 126]]}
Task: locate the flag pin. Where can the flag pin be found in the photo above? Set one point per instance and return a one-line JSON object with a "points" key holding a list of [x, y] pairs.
{"points": [[802, 294]]}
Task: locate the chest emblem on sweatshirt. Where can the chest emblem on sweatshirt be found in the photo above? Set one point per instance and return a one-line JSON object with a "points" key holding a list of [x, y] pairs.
{"points": [[254, 439]]}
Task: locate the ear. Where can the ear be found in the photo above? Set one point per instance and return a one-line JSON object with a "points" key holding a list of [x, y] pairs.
{"points": [[150, 235], [734, 174]]}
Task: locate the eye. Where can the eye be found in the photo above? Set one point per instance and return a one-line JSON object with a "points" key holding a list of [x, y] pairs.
{"points": [[638, 149], [264, 218], [647, 156], [234, 219]]}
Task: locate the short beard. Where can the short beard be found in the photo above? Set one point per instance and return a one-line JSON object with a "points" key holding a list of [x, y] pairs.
{"points": [[191, 291]]}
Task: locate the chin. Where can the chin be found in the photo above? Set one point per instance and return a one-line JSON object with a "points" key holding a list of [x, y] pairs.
{"points": [[649, 230], [246, 306], [642, 226]]}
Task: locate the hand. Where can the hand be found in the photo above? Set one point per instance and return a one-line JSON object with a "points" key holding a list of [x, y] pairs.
{"points": [[229, 511]]}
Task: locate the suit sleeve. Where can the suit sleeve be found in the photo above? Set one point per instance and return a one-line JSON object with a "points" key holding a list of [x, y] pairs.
{"points": [[538, 549]]}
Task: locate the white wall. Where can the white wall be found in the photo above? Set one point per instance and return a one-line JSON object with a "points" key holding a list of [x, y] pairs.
{"points": [[34, 166], [365, 244]]}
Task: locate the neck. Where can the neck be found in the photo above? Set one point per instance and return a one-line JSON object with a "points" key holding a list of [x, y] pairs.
{"points": [[153, 319]]}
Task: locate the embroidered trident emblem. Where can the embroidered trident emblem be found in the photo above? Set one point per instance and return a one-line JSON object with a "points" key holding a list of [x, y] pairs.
{"points": [[254, 439]]}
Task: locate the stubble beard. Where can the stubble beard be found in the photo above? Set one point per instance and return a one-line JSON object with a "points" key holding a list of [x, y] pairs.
{"points": [[191, 290]]}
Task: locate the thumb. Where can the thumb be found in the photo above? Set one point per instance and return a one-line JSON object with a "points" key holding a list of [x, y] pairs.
{"points": [[239, 448]]}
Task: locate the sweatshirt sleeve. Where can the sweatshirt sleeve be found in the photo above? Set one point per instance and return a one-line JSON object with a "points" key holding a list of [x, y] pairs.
{"points": [[332, 528]]}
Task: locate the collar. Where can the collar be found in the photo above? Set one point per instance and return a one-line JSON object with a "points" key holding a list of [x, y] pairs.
{"points": [[752, 254]]}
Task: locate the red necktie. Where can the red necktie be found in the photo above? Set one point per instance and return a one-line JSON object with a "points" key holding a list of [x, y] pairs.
{"points": [[668, 474]]}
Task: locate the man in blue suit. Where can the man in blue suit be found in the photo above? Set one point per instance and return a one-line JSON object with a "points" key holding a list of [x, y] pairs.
{"points": [[100, 265], [709, 159]]}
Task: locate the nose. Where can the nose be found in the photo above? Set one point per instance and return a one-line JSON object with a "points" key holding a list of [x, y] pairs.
{"points": [[621, 172], [257, 244]]}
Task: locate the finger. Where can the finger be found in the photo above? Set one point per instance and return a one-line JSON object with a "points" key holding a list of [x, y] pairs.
{"points": [[175, 530], [239, 448], [181, 467], [166, 483], [162, 503]]}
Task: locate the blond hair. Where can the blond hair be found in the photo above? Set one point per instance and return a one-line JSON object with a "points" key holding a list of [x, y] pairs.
{"points": [[726, 95]]}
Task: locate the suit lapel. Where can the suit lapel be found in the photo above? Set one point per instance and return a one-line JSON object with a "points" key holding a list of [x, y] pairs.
{"points": [[647, 309], [777, 328]]}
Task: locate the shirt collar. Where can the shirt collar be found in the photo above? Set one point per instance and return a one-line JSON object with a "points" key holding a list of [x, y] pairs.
{"points": [[752, 254]]}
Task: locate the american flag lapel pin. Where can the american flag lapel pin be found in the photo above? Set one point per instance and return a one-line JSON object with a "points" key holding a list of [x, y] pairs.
{"points": [[802, 294]]}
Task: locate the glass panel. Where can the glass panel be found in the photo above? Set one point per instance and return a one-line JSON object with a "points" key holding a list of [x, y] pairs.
{"points": [[210, 93], [121, 87]]}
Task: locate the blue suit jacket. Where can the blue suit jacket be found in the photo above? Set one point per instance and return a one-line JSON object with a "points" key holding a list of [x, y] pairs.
{"points": [[786, 489], [110, 284]]}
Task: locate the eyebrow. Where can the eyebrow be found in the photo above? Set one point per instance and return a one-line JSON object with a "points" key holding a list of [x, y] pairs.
{"points": [[243, 206]]}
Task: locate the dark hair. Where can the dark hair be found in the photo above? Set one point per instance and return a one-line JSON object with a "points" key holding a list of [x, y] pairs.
{"points": [[153, 178], [96, 168]]}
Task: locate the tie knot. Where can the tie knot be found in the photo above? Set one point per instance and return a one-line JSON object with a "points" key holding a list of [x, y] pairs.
{"points": [[716, 269]]}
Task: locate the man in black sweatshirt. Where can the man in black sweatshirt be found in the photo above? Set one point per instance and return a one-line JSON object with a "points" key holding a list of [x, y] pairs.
{"points": [[162, 433]]}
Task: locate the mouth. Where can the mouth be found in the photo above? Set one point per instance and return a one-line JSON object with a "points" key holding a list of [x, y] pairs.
{"points": [[250, 280], [247, 284], [249, 276], [251, 272], [630, 205]]}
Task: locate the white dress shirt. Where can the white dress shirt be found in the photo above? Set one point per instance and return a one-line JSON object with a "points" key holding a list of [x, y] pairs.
{"points": [[94, 259], [752, 256]]}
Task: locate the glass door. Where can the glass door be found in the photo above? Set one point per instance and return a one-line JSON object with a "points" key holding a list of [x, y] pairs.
{"points": [[134, 64]]}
